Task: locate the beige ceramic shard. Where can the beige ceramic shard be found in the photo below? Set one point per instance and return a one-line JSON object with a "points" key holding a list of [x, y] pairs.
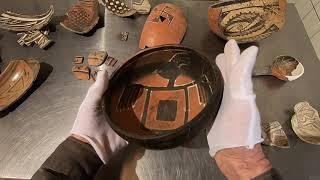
{"points": [[122, 8], [274, 135], [38, 37], [141, 6], [19, 22], [306, 123], [16, 79]]}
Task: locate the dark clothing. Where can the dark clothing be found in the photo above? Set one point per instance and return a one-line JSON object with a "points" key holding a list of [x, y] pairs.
{"points": [[75, 160], [72, 160]]}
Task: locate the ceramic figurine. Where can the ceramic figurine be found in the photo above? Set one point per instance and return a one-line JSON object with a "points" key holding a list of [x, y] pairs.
{"points": [[247, 20], [97, 58], [306, 123], [16, 79], [82, 17], [274, 135], [166, 24]]}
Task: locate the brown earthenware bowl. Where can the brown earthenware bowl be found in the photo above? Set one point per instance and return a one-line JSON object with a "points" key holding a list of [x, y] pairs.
{"points": [[247, 20], [163, 95], [16, 79]]}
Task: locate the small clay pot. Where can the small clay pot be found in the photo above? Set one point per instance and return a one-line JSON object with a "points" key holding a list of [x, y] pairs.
{"points": [[165, 25], [163, 95], [247, 20]]}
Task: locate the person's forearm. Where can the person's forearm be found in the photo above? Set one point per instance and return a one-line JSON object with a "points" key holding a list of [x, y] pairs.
{"points": [[73, 159]]}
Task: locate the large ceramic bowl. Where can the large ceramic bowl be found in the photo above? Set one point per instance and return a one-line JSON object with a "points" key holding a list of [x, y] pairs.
{"points": [[16, 79], [247, 20], [163, 95]]}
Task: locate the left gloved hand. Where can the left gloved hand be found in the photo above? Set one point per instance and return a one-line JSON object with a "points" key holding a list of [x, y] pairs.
{"points": [[91, 124]]}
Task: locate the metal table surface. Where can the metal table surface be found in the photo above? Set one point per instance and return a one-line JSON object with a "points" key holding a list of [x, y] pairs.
{"points": [[35, 126]]}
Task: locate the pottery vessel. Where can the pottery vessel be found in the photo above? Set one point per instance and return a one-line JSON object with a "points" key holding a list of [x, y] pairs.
{"points": [[82, 17], [166, 24], [247, 20], [16, 79], [162, 95], [306, 123]]}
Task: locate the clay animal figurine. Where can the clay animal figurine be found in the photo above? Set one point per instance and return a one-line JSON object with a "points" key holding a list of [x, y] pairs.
{"points": [[166, 24], [16, 79], [306, 123], [247, 20], [274, 135], [285, 68], [82, 17]]}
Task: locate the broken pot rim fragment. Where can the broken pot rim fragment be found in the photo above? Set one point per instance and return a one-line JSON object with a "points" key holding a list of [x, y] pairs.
{"points": [[297, 72], [300, 127], [33, 64], [22, 22]]}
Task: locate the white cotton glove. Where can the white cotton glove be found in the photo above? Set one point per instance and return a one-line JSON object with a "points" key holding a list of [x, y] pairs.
{"points": [[238, 121], [91, 124]]}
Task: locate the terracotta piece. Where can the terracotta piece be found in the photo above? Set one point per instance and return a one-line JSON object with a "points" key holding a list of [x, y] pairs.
{"points": [[124, 36], [78, 60], [97, 58], [141, 6], [120, 8], [111, 61], [247, 20], [306, 123], [166, 24], [16, 79], [81, 72], [285, 68], [40, 38], [20, 22], [160, 92], [82, 17], [274, 135]]}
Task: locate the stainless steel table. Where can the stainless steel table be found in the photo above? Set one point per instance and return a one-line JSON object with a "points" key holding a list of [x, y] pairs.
{"points": [[36, 125]]}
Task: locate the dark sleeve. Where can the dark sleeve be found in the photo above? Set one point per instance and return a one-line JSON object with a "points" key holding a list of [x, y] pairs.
{"points": [[71, 160], [270, 175]]}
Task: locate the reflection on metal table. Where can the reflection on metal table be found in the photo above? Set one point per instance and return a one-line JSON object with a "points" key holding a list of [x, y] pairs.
{"points": [[35, 127]]}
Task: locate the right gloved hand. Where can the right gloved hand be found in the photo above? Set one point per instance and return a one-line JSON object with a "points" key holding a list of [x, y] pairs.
{"points": [[236, 133]]}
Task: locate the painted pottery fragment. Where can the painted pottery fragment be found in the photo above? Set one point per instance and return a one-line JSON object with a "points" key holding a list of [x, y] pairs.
{"points": [[306, 123], [20, 22], [274, 135], [16, 79], [166, 24], [247, 20], [97, 58], [40, 38], [78, 60], [82, 17], [122, 8], [111, 61], [81, 72], [124, 36], [141, 6], [287, 68]]}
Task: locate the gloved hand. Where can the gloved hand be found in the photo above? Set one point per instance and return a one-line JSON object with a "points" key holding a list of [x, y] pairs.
{"points": [[92, 125], [237, 129]]}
